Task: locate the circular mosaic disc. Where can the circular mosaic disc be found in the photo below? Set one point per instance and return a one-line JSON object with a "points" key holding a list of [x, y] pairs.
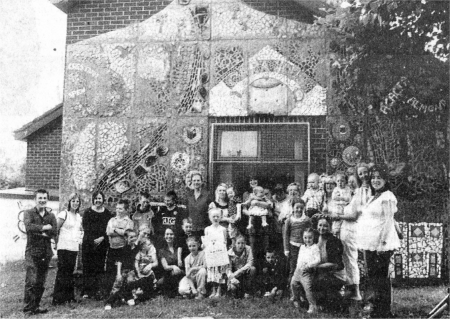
{"points": [[180, 162], [341, 130], [351, 155]]}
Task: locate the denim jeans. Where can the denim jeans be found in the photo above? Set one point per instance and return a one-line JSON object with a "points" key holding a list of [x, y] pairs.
{"points": [[36, 274]]}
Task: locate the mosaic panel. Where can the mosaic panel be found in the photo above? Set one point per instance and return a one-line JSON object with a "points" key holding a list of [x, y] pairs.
{"points": [[153, 89], [99, 80], [421, 251], [189, 77], [266, 82], [138, 169]]}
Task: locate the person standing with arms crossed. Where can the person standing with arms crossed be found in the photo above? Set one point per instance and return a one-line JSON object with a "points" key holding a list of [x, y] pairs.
{"points": [[40, 225]]}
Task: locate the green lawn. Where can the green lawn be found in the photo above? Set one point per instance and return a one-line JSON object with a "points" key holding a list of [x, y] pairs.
{"points": [[409, 302]]}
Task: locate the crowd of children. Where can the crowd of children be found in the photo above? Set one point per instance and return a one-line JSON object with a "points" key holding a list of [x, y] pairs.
{"points": [[153, 249]]}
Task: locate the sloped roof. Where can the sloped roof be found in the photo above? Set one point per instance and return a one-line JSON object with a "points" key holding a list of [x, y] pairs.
{"points": [[22, 133]]}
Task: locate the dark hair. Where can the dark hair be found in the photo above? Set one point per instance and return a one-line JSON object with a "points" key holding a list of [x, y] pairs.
{"points": [[384, 174], [42, 191], [298, 201], [316, 217], [172, 195], [144, 194], [95, 194], [192, 238], [269, 251], [125, 203]]}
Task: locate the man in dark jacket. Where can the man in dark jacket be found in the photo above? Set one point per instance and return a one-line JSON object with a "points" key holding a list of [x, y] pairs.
{"points": [[40, 224]]}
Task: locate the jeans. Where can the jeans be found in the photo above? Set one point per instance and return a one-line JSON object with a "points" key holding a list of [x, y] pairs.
{"points": [[303, 279], [36, 274], [64, 283]]}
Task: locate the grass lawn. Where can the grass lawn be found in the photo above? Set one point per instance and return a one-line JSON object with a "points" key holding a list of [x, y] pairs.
{"points": [[409, 302]]}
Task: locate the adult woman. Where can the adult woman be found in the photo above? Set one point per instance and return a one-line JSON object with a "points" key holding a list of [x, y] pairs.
{"points": [[284, 209], [169, 261], [241, 273], [95, 244], [349, 228], [376, 235], [221, 202], [197, 205], [328, 186], [330, 274], [70, 232]]}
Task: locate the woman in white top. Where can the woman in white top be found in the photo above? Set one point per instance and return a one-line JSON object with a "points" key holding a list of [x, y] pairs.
{"points": [[376, 235], [69, 238]]}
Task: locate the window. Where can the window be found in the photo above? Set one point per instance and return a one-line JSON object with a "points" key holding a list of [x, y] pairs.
{"points": [[271, 152]]}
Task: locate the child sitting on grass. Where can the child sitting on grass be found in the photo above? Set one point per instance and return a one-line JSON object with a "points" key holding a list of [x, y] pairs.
{"points": [[194, 283], [273, 275], [182, 246], [144, 264], [308, 259]]}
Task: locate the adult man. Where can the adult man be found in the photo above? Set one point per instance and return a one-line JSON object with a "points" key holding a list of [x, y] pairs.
{"points": [[40, 225]]}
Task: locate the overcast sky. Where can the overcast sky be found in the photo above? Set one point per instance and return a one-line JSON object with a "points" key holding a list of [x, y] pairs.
{"points": [[32, 50]]}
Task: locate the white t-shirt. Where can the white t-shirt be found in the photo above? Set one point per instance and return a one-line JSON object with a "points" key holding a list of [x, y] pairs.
{"points": [[71, 231]]}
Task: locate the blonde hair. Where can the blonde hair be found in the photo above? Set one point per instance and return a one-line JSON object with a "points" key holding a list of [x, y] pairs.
{"points": [[216, 193]]}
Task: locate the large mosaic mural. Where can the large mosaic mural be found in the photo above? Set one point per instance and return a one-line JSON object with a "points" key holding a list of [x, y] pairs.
{"points": [[137, 100]]}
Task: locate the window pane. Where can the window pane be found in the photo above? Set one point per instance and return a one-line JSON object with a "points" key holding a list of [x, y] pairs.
{"points": [[239, 144]]}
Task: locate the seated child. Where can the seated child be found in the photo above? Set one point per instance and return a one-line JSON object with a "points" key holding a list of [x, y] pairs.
{"points": [[341, 197], [234, 214], [273, 275], [313, 196], [125, 272], [308, 259], [258, 206], [145, 262], [182, 246], [195, 280]]}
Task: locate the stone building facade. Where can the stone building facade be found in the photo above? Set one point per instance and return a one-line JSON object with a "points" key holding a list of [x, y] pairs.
{"points": [[234, 89]]}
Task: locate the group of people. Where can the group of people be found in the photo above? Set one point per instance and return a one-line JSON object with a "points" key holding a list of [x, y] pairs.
{"points": [[302, 245]]}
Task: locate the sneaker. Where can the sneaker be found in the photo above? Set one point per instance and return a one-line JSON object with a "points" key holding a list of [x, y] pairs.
{"points": [[108, 307], [249, 226], [312, 309], [85, 297], [131, 302], [246, 296], [200, 296], [267, 294]]}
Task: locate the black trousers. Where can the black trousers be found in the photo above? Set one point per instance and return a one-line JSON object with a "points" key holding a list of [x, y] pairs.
{"points": [[93, 267], [64, 284], [36, 274], [378, 282], [114, 255]]}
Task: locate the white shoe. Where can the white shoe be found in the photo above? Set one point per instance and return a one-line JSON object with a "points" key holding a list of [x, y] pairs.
{"points": [[131, 302], [108, 307]]}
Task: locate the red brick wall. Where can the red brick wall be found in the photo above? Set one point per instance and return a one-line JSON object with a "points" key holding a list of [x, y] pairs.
{"points": [[88, 18], [44, 156]]}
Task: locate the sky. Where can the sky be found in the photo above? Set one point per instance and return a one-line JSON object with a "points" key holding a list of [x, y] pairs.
{"points": [[32, 51]]}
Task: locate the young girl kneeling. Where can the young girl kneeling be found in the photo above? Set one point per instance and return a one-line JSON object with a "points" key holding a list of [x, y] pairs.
{"points": [[194, 283], [308, 259]]}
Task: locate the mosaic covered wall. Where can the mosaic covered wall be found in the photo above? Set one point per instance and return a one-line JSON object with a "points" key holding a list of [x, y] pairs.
{"points": [[137, 100], [400, 119]]}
